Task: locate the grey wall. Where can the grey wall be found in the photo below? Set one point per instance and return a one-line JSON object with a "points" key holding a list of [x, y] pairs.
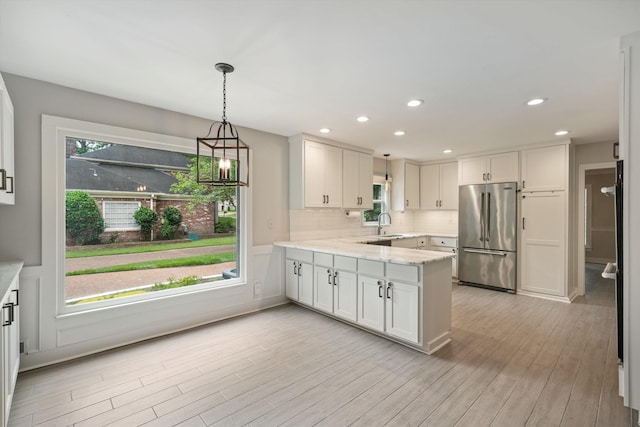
{"points": [[20, 225]]}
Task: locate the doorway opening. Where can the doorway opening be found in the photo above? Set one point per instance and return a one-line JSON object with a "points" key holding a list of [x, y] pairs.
{"points": [[596, 233]]}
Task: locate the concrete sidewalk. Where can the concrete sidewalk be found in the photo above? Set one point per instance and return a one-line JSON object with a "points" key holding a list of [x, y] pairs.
{"points": [[92, 284]]}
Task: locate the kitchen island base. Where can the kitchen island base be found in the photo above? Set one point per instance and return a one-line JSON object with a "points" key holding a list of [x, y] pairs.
{"points": [[409, 303]]}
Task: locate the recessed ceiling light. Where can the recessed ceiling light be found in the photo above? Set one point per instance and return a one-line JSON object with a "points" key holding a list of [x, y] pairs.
{"points": [[399, 133], [562, 132], [415, 102], [363, 119], [536, 101], [325, 130], [447, 151]]}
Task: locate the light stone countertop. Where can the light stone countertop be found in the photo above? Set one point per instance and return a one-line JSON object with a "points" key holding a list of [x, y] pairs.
{"points": [[8, 271], [356, 247]]}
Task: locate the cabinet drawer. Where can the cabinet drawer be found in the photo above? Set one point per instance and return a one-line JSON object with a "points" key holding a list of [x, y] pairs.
{"points": [[300, 255], [345, 263], [422, 242], [372, 268], [406, 273], [320, 258], [450, 242]]}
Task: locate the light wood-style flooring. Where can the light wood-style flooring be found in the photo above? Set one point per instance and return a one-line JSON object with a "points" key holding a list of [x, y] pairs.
{"points": [[514, 361]]}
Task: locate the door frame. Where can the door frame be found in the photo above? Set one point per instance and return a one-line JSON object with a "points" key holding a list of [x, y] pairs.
{"points": [[582, 169]]}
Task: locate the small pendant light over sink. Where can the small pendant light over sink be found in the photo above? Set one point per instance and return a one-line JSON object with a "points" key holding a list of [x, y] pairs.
{"points": [[222, 159]]}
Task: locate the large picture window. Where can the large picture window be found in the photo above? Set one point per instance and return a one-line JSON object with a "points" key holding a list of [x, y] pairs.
{"points": [[133, 223]]}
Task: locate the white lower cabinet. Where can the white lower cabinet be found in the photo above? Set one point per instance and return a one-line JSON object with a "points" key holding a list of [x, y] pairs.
{"points": [[299, 275], [371, 302], [401, 305], [389, 306], [9, 335], [335, 290], [409, 303]]}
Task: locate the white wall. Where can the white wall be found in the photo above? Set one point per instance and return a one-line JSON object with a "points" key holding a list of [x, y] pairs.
{"points": [[50, 337]]}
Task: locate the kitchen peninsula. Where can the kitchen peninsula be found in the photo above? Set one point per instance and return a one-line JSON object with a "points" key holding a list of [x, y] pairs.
{"points": [[398, 293]]}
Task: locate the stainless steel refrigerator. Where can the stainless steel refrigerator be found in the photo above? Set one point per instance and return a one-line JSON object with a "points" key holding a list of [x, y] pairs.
{"points": [[487, 219]]}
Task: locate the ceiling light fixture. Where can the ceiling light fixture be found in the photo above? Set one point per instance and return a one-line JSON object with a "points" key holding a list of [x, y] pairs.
{"points": [[363, 119], [325, 130], [447, 151], [399, 133], [562, 132], [536, 101], [386, 173], [227, 162], [415, 102]]}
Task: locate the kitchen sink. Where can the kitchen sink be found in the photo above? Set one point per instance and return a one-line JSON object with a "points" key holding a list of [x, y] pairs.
{"points": [[380, 242]]}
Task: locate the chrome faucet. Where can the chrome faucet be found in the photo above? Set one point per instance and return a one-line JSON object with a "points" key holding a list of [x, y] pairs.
{"points": [[380, 220]]}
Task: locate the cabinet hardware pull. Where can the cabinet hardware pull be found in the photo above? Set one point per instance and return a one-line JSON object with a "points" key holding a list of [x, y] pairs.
{"points": [[329, 277], [388, 289], [523, 183], [10, 307], [380, 288], [484, 176], [488, 176], [3, 179], [17, 296], [616, 150], [407, 202], [523, 223], [10, 191], [335, 277], [299, 269], [295, 268]]}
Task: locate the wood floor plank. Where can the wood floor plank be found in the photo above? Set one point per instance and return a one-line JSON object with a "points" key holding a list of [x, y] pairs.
{"points": [[513, 361]]}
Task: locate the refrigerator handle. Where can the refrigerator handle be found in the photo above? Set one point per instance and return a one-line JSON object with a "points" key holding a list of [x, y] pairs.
{"points": [[482, 219], [488, 216]]}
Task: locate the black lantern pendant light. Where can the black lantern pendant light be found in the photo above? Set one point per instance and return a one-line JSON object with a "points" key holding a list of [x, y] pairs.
{"points": [[222, 158], [386, 172]]}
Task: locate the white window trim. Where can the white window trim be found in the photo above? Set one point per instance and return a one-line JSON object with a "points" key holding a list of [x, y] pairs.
{"points": [[54, 131]]}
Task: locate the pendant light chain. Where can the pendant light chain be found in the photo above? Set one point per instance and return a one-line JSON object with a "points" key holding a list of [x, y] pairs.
{"points": [[224, 97]]}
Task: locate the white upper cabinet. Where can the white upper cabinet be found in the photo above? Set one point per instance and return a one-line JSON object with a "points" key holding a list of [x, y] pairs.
{"points": [[501, 167], [357, 180], [544, 169], [7, 175], [315, 175], [439, 186], [405, 187]]}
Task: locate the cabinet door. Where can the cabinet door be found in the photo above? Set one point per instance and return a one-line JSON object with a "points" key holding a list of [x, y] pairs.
{"points": [[503, 167], [366, 181], [12, 348], [332, 165], [542, 248], [544, 169], [472, 170], [345, 291], [291, 280], [323, 289], [314, 191], [430, 187], [350, 179], [305, 283], [412, 186], [449, 186], [402, 310], [371, 302], [7, 196]]}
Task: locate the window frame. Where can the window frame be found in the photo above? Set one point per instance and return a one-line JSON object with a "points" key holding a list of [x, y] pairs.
{"points": [[104, 215], [54, 132], [384, 201]]}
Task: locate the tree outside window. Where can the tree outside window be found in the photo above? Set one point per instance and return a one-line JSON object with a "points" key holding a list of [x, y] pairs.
{"points": [[370, 217]]}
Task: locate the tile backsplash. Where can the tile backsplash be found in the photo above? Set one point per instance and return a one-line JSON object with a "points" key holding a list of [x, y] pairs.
{"points": [[307, 224]]}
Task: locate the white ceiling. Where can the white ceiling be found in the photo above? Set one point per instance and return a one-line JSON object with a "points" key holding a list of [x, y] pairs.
{"points": [[302, 64]]}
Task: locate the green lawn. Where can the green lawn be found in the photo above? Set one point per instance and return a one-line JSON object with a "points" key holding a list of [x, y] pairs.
{"points": [[162, 263], [216, 241]]}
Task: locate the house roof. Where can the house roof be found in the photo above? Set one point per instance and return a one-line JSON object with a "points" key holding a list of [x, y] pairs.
{"points": [[125, 168]]}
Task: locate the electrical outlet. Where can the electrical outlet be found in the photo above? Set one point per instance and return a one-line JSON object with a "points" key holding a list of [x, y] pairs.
{"points": [[257, 288], [269, 223]]}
